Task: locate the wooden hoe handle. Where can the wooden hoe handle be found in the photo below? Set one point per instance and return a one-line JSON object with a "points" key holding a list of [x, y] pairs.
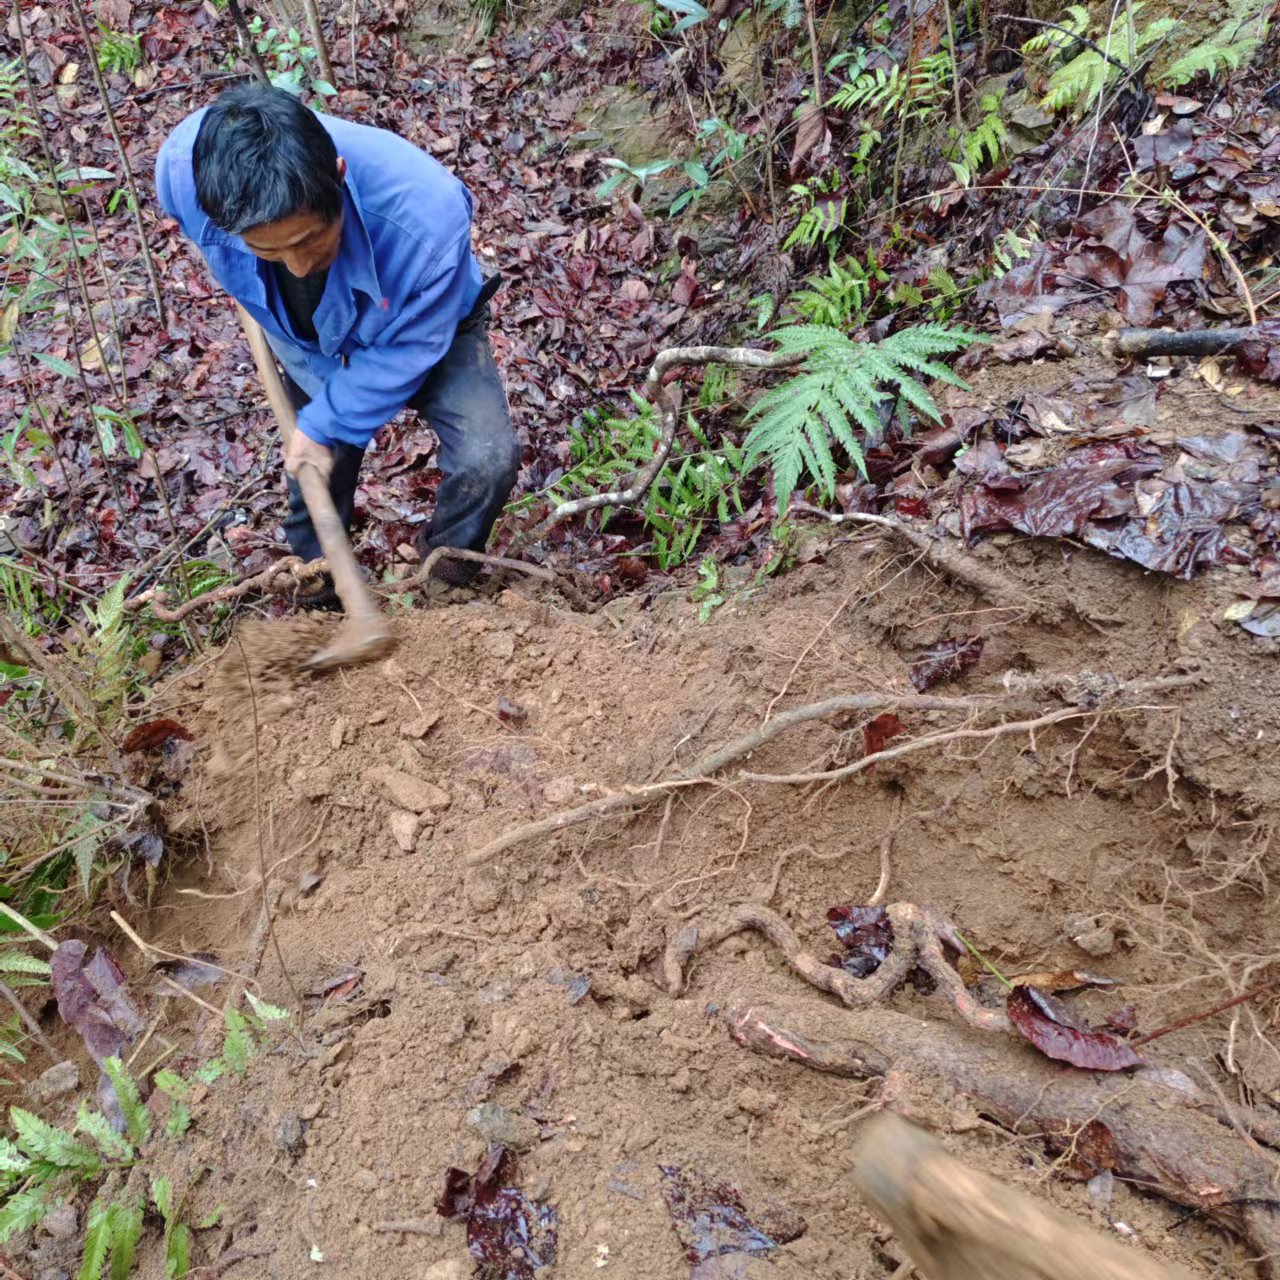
{"points": [[366, 633]]}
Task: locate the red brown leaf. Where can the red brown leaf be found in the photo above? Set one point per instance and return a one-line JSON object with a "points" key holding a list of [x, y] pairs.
{"points": [[154, 734], [946, 660], [1047, 1023], [878, 731]]}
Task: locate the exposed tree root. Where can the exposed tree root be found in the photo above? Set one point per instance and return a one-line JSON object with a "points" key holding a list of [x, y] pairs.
{"points": [[1158, 1139], [949, 559], [701, 772], [291, 574], [918, 937]]}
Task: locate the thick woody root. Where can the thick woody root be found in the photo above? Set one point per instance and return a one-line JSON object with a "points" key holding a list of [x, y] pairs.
{"points": [[918, 934], [1159, 1140]]}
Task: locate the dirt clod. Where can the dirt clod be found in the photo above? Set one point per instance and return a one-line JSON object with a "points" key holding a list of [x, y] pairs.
{"points": [[414, 794]]}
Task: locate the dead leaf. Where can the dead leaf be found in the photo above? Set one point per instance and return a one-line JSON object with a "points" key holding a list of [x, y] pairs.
{"points": [[9, 322], [1063, 980], [1044, 1021], [153, 735], [813, 139], [878, 731]]}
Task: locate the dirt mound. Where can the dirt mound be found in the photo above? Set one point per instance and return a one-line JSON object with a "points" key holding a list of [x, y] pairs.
{"points": [[518, 999]]}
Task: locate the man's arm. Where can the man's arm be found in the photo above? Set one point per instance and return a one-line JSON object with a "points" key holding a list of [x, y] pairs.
{"points": [[376, 382]]}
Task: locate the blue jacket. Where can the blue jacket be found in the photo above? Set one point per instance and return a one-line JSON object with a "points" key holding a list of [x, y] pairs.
{"points": [[404, 278]]}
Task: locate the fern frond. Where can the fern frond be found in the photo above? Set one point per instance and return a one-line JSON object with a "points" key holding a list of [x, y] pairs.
{"points": [[21, 962], [126, 1231], [112, 1145], [22, 1211], [97, 1239], [137, 1119], [842, 383], [44, 1142]]}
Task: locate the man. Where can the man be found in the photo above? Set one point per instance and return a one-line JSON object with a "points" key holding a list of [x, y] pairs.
{"points": [[352, 249]]}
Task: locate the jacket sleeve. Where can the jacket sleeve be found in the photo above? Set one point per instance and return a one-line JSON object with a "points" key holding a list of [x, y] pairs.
{"points": [[377, 381]]}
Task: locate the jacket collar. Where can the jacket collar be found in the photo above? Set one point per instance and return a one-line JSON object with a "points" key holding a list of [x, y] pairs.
{"points": [[353, 269]]}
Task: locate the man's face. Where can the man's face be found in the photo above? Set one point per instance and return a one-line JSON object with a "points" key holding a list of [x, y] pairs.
{"points": [[301, 243]]}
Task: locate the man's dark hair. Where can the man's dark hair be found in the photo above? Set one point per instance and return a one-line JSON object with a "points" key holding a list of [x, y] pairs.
{"points": [[261, 156]]}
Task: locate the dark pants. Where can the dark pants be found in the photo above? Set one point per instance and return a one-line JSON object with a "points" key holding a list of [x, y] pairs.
{"points": [[463, 401]]}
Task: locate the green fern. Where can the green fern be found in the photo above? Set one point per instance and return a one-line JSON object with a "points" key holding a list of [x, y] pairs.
{"points": [[97, 1239], [112, 1145], [837, 397], [137, 1119], [22, 1211], [109, 645], [126, 1231], [51, 1146], [839, 298], [887, 91], [1228, 49]]}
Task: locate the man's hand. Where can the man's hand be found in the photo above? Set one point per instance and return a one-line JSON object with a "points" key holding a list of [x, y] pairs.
{"points": [[303, 449]]}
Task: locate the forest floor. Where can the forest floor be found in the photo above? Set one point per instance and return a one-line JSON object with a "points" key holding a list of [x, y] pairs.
{"points": [[453, 1003]]}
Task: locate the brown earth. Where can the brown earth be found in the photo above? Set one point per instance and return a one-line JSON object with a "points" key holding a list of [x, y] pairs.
{"points": [[1156, 822]]}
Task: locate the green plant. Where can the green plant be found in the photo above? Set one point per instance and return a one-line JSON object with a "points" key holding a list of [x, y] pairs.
{"points": [[839, 298], [688, 13], [695, 488], [639, 174], [44, 1164], [706, 593], [733, 146], [289, 58], [974, 150], [1082, 73], [118, 51], [823, 211], [838, 395], [886, 91]]}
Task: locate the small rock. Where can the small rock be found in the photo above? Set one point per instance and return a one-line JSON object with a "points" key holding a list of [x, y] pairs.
{"points": [[420, 727], [412, 793], [404, 829], [62, 1223], [62, 1077], [500, 645], [342, 734], [289, 1133], [365, 1178], [449, 1269], [310, 1110], [376, 717], [560, 791], [483, 890], [1092, 937], [494, 1123]]}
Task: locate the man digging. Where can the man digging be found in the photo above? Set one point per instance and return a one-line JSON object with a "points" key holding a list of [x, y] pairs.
{"points": [[352, 249]]}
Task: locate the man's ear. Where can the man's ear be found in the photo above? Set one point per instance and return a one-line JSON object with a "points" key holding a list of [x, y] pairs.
{"points": [[342, 169]]}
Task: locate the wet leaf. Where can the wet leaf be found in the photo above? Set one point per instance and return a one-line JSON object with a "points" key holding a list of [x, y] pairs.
{"points": [[343, 987], [712, 1218], [198, 970], [1048, 1024], [93, 1001], [878, 731], [154, 735], [946, 660], [813, 139], [509, 1236], [867, 936], [511, 713], [1091, 1150]]}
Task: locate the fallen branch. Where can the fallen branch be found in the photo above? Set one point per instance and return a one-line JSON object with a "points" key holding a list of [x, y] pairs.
{"points": [[702, 771], [1158, 1140], [1263, 988], [669, 411], [1147, 343]]}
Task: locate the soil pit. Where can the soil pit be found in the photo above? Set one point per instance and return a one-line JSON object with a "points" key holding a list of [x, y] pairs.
{"points": [[518, 1001]]}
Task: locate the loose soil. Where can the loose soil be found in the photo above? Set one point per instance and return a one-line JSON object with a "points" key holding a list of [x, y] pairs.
{"points": [[1156, 822]]}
